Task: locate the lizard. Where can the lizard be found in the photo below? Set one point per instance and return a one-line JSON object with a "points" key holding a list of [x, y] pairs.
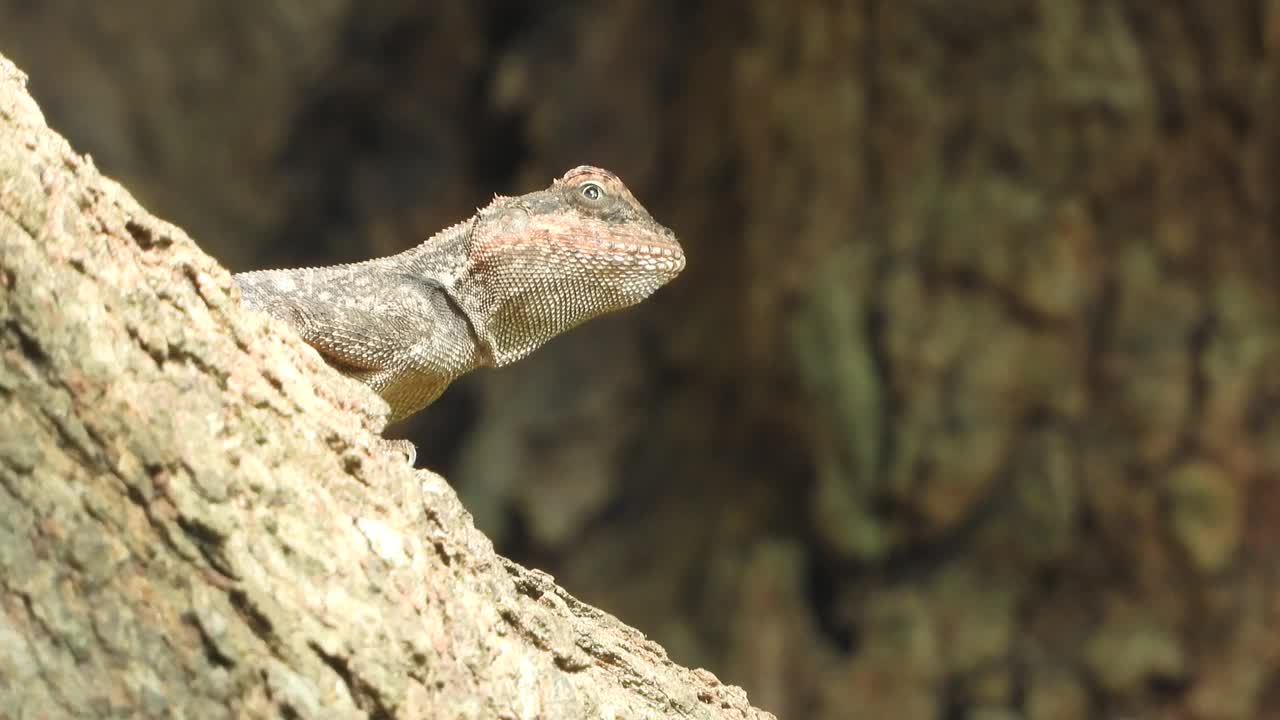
{"points": [[485, 292]]}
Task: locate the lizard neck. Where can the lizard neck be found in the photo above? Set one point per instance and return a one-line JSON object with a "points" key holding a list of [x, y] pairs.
{"points": [[444, 260], [492, 295], [515, 307]]}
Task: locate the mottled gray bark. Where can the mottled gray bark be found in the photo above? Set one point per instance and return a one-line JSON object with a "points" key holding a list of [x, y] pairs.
{"points": [[967, 403], [195, 520]]}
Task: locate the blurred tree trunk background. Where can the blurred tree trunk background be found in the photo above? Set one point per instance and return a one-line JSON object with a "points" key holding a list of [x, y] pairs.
{"points": [[966, 406]]}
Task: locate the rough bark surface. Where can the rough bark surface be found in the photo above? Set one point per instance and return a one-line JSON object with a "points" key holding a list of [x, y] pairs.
{"points": [[192, 523]]}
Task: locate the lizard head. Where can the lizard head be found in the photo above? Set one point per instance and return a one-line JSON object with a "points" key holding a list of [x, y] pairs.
{"points": [[547, 261]]}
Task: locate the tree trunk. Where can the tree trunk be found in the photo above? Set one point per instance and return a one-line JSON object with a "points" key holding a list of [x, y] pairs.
{"points": [[196, 521]]}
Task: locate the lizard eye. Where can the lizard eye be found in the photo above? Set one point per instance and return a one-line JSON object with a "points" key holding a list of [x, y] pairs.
{"points": [[592, 192], [591, 196]]}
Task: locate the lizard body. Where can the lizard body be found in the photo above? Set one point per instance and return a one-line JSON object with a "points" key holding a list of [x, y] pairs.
{"points": [[483, 293]]}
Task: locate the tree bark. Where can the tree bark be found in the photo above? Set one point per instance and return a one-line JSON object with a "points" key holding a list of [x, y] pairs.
{"points": [[195, 519]]}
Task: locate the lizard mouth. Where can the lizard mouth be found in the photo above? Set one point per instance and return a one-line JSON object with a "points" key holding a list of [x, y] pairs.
{"points": [[667, 259], [663, 256]]}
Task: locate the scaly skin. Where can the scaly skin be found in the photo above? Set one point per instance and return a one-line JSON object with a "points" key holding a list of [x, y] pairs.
{"points": [[483, 293]]}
